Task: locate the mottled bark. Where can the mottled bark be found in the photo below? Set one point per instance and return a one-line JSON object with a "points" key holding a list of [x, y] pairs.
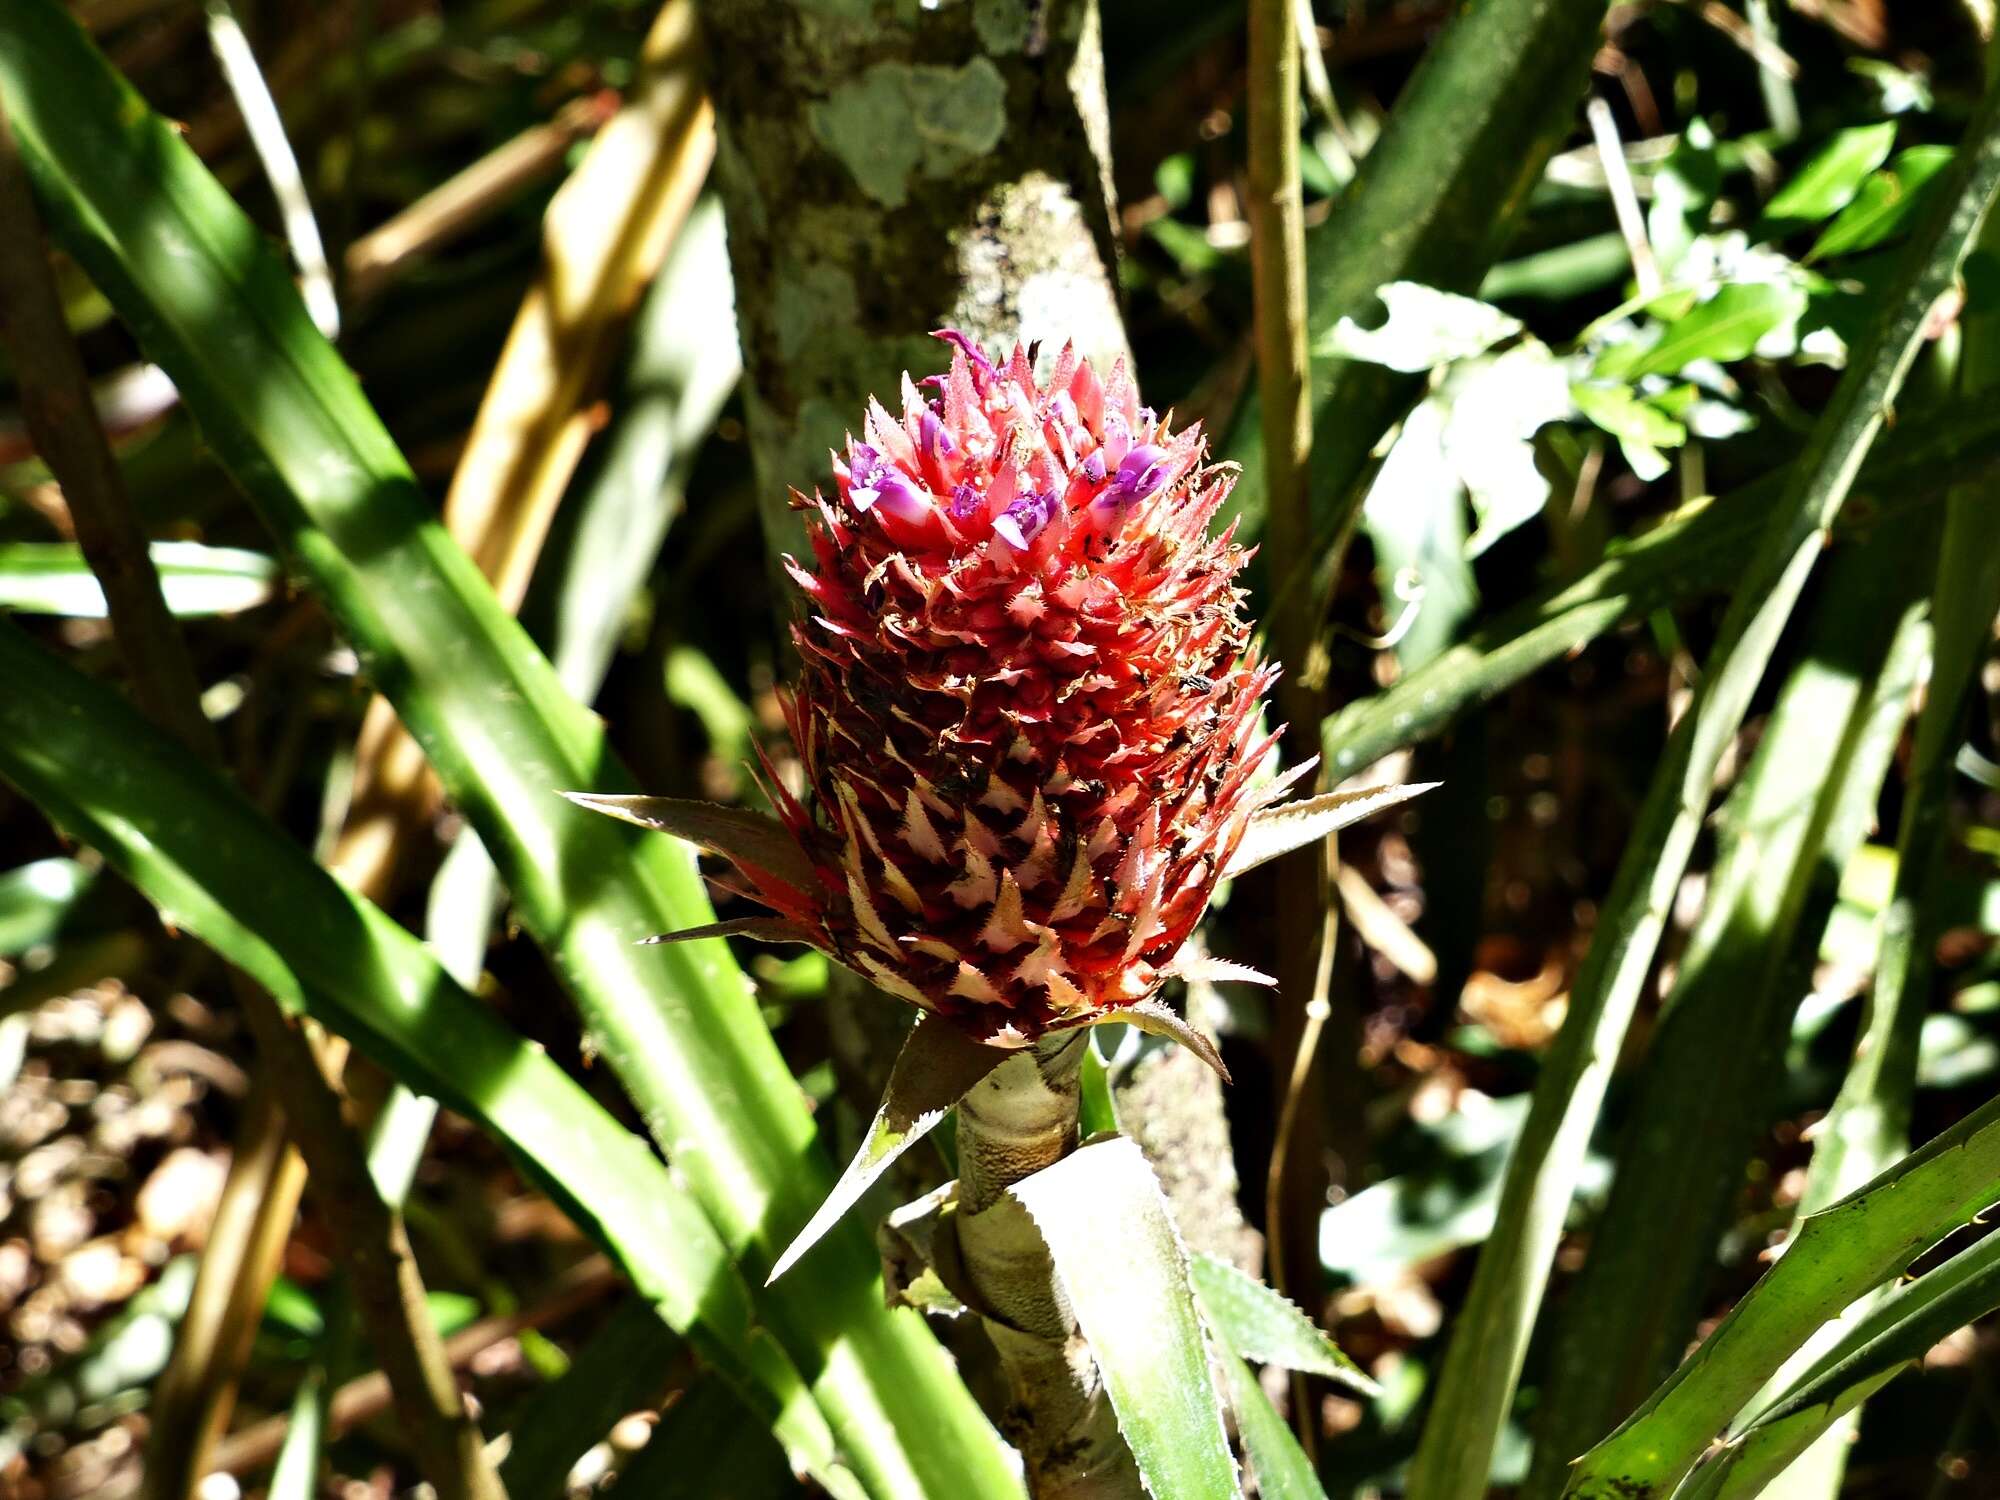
{"points": [[888, 169]]}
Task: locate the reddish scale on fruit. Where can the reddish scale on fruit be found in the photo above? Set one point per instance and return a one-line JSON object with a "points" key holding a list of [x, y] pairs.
{"points": [[1029, 703]]}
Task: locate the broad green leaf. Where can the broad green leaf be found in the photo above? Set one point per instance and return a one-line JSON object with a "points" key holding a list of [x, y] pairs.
{"points": [[218, 869], [1277, 1462], [1423, 327], [52, 578], [1836, 1255], [1496, 406], [1134, 1306], [1414, 515], [1727, 327], [1895, 1333], [1490, 1341], [1886, 204], [36, 899], [938, 1066], [1830, 179], [1262, 1324], [1684, 189], [678, 1024]]}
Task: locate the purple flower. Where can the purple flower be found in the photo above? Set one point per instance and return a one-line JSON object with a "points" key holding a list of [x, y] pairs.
{"points": [[966, 501], [983, 373], [1023, 521], [931, 436], [873, 481], [1093, 467], [1142, 474]]}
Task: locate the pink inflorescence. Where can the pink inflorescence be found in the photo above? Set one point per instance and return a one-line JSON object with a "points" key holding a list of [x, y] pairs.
{"points": [[1028, 712]]}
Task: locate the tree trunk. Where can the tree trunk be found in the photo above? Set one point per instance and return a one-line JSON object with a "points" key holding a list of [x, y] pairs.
{"points": [[887, 170]]}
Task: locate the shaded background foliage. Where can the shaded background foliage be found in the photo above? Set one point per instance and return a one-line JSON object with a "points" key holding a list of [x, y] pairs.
{"points": [[1465, 919]]}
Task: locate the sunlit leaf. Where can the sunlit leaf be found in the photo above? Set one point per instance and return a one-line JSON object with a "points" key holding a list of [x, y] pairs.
{"points": [[1727, 327], [1885, 206], [1137, 1310], [1423, 327], [1830, 178], [938, 1066], [1277, 1462], [52, 578], [1260, 1323]]}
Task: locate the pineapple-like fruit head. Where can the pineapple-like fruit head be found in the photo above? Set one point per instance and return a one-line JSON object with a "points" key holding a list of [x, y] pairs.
{"points": [[1028, 711]]}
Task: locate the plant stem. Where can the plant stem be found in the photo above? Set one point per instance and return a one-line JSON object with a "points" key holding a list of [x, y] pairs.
{"points": [[1020, 1119], [1304, 911]]}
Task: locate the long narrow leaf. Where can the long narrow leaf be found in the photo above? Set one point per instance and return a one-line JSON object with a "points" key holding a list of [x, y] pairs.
{"points": [[1716, 1066], [216, 868], [1836, 1256], [676, 1022], [1492, 1334], [1136, 1310], [1277, 1462], [1896, 1332]]}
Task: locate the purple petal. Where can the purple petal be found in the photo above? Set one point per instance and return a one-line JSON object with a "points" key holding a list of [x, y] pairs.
{"points": [[1023, 521]]}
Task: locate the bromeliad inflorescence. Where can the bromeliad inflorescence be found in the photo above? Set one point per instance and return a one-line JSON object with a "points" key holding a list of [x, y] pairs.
{"points": [[1028, 711]]}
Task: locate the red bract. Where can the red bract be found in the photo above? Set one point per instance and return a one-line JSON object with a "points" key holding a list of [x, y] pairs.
{"points": [[1028, 712]]}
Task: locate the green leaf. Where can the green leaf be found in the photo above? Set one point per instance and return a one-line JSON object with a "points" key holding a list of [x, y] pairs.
{"points": [[1262, 1324], [1726, 327], [1136, 1310], [52, 578], [1490, 1342], [1684, 190], [1836, 1256], [1097, 1107], [1277, 1462], [217, 868], [938, 1066], [1895, 1333], [678, 1024], [1423, 327], [1277, 831], [295, 1476], [1830, 179], [1716, 1063], [1887, 204], [1414, 514], [1641, 428], [37, 899]]}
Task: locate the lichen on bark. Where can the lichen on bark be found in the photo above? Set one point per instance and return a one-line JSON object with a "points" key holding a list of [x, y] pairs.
{"points": [[887, 170]]}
